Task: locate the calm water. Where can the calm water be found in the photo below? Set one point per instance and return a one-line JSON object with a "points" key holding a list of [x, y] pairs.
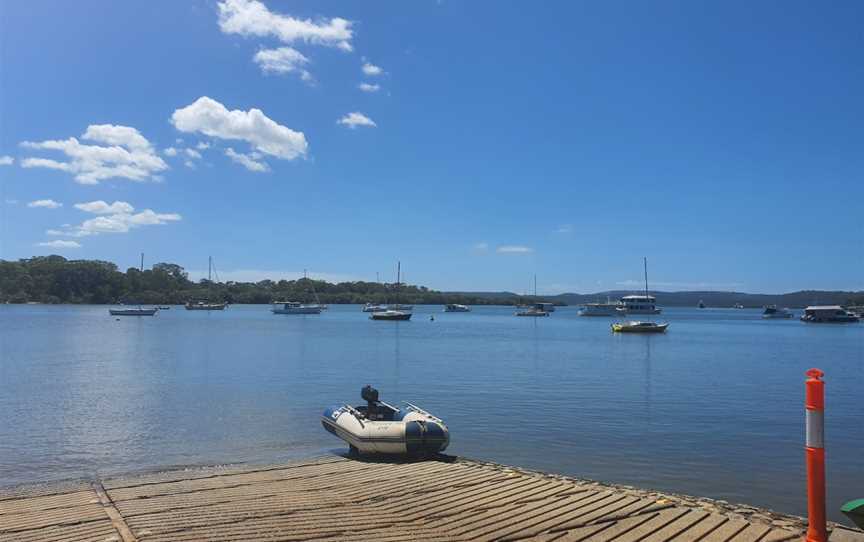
{"points": [[713, 408]]}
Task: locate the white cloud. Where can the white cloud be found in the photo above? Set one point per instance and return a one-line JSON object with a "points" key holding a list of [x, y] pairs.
{"points": [[355, 119], [565, 228], [202, 146], [368, 87], [192, 153], [211, 118], [118, 217], [100, 207], [45, 203], [514, 249], [246, 160], [6, 160], [253, 18], [128, 156], [283, 60], [371, 69], [170, 151], [57, 243]]}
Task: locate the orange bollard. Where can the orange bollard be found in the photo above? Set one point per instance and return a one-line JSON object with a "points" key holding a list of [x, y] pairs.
{"points": [[815, 449]]}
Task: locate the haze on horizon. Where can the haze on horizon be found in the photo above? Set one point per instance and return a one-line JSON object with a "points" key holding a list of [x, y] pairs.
{"points": [[479, 143]]}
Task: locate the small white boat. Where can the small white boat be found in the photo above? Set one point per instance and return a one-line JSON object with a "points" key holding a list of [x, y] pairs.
{"points": [[295, 307], [399, 307], [771, 311], [531, 311], [455, 307], [390, 315], [369, 307], [132, 312], [639, 327], [598, 309], [828, 314], [548, 307], [379, 428], [205, 306], [737, 306]]}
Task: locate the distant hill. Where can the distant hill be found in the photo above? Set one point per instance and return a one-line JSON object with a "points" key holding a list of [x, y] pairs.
{"points": [[691, 299]]}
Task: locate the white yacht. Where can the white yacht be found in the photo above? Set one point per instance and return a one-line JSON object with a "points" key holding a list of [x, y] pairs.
{"points": [[599, 309], [771, 311], [638, 304], [295, 307], [374, 307], [456, 307], [399, 307]]}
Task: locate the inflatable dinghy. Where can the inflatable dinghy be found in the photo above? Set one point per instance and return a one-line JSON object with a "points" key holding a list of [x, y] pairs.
{"points": [[379, 428]]}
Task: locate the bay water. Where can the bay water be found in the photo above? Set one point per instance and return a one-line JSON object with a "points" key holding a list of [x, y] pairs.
{"points": [[712, 408]]}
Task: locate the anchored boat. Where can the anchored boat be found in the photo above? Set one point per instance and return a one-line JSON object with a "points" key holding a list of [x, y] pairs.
{"points": [[132, 312], [639, 327], [771, 311], [390, 315], [379, 428], [830, 314], [456, 307]]}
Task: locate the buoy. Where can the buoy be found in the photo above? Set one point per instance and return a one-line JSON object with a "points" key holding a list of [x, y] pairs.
{"points": [[432, 318]]}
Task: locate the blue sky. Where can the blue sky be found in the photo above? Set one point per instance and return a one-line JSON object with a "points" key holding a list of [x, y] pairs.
{"points": [[491, 140]]}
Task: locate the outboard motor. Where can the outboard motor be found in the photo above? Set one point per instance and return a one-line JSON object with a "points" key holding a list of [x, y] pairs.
{"points": [[370, 395]]}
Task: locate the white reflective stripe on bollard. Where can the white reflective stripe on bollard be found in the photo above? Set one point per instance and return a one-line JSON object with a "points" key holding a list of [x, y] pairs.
{"points": [[815, 429]]}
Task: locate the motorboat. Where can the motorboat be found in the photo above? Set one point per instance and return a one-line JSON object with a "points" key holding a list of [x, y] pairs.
{"points": [[828, 314], [164, 308], [639, 327], [531, 311], [295, 307], [133, 312], [598, 309], [390, 315], [399, 307], [638, 304], [380, 428], [548, 307], [455, 307], [737, 306], [205, 306], [370, 307], [771, 311]]}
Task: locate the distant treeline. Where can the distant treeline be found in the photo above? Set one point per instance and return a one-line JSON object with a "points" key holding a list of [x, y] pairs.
{"points": [[54, 279], [711, 299]]}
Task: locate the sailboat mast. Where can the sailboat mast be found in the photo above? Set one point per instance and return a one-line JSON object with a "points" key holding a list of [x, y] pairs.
{"points": [[142, 262], [535, 287], [645, 265], [209, 268]]}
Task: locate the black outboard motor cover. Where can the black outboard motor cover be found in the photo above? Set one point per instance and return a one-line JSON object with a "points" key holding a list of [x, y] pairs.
{"points": [[369, 394]]}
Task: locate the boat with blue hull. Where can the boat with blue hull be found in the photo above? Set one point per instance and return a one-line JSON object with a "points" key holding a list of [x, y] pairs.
{"points": [[380, 428]]}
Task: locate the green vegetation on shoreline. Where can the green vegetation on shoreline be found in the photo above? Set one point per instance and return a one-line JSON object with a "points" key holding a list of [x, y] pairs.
{"points": [[54, 279]]}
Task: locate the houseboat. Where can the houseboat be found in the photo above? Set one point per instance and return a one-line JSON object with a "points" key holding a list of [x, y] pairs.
{"points": [[638, 304], [295, 307], [828, 314], [599, 309]]}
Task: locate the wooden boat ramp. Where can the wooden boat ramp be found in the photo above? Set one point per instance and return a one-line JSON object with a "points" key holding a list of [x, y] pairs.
{"points": [[336, 498]]}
